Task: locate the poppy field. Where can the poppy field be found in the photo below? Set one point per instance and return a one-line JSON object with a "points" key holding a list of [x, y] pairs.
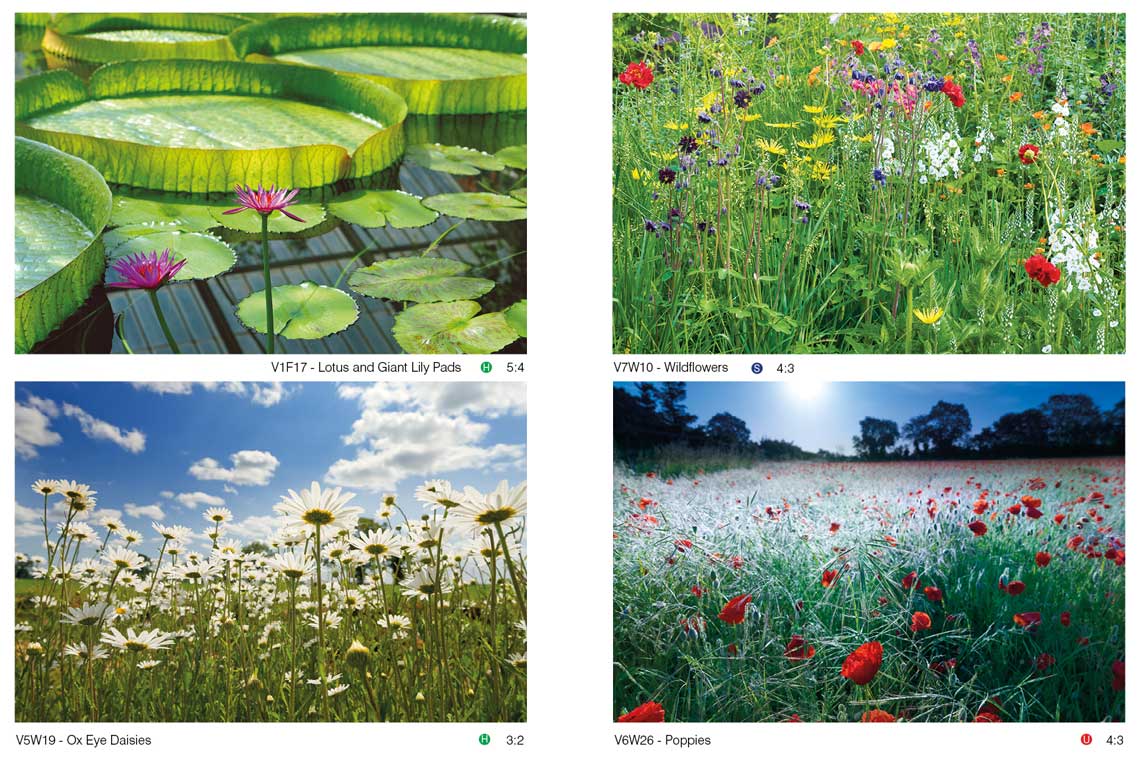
{"points": [[868, 183], [936, 591]]}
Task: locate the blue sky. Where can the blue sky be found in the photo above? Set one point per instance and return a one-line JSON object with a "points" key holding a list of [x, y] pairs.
{"points": [[168, 451], [826, 415]]}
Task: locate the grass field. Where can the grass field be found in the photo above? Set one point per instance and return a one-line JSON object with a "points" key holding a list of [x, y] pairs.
{"points": [[926, 183], [914, 591]]}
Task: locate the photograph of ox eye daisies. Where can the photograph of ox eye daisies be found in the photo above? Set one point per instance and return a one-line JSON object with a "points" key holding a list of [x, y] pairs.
{"points": [[927, 552], [270, 183], [372, 569], [869, 183]]}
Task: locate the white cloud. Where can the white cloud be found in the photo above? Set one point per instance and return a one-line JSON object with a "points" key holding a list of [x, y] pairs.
{"points": [[153, 511], [255, 528], [33, 426], [197, 499], [261, 394], [381, 470], [474, 399], [227, 488], [250, 468], [133, 441], [166, 494]]}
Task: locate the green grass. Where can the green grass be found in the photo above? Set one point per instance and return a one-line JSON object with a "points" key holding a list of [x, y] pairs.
{"points": [[849, 274]]}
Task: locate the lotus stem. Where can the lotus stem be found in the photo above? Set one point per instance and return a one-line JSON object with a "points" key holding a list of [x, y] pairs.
{"points": [[269, 334], [162, 321]]}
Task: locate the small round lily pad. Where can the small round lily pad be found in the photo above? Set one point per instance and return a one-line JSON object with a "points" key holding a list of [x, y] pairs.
{"points": [[419, 279], [516, 317], [513, 156], [379, 208], [307, 311], [451, 328], [453, 159], [488, 207]]}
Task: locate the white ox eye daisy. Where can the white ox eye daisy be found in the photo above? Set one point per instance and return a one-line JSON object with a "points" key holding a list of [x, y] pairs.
{"points": [[172, 532], [228, 549], [218, 515], [318, 508], [80, 531], [88, 614], [425, 583], [85, 652], [378, 543], [438, 493], [122, 558], [129, 536], [292, 565], [143, 641], [74, 491], [395, 622], [503, 505], [46, 487], [149, 664], [111, 524]]}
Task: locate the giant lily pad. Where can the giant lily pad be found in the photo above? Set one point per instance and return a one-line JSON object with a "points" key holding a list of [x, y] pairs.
{"points": [[516, 317], [159, 212], [489, 207], [379, 208], [513, 156], [307, 311], [62, 205], [485, 132], [439, 63], [451, 328], [418, 279], [204, 126], [105, 37], [453, 159], [205, 255]]}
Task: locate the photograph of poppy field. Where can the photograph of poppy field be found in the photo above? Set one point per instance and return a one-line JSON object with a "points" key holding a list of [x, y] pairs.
{"points": [[270, 183], [869, 552], [373, 569], [868, 183]]}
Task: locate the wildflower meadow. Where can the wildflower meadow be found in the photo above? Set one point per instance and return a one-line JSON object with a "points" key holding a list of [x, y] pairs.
{"points": [[856, 183]]}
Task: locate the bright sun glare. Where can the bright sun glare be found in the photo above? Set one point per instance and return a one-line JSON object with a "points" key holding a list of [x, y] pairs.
{"points": [[806, 390]]}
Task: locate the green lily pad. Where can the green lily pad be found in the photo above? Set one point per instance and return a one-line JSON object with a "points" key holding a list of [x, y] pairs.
{"points": [[513, 156], [166, 212], [489, 207], [205, 255], [451, 328], [516, 317], [307, 311], [418, 279], [453, 159], [519, 195], [378, 208], [250, 221]]}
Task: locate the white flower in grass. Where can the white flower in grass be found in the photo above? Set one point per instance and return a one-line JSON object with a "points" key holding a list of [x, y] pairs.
{"points": [[292, 565], [121, 558], [337, 689], [200, 572], [502, 506], [79, 531], [228, 549], [85, 652], [218, 515], [179, 533], [438, 493], [336, 551], [332, 620], [74, 491], [330, 678], [395, 622], [46, 487], [425, 583], [378, 543], [129, 536], [88, 614], [143, 641], [313, 507], [149, 664]]}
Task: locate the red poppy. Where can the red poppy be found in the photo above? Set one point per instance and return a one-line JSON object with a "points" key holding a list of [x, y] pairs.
{"points": [[933, 593], [828, 578], [909, 581], [1033, 512], [978, 528], [650, 712], [919, 621], [954, 92], [1015, 587], [857, 46], [698, 591], [862, 664], [1028, 153], [637, 75], [1027, 619], [1118, 675], [1058, 519], [732, 650], [1043, 559], [733, 612], [798, 649], [987, 717], [794, 719], [835, 527], [1041, 269], [1045, 661], [877, 716], [944, 666]]}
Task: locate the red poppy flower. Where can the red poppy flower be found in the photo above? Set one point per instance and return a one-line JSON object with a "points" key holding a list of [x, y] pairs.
{"points": [[733, 612], [1118, 675], [637, 75], [954, 92], [1045, 661], [978, 528], [1043, 559], [944, 666], [1033, 512], [794, 719], [835, 527], [862, 664], [877, 716], [798, 649], [732, 650], [987, 717], [933, 593], [1015, 587], [1028, 153], [1066, 618], [1027, 619], [828, 578], [1058, 519], [919, 621], [650, 712], [909, 581], [698, 591], [857, 46], [1041, 269]]}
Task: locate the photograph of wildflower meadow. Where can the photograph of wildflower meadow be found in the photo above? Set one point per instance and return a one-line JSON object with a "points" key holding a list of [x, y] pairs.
{"points": [[869, 552], [347, 552], [868, 183], [271, 183]]}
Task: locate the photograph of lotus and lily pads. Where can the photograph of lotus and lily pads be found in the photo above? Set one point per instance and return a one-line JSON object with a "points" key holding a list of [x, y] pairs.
{"points": [[371, 569], [869, 183], [260, 183], [869, 552]]}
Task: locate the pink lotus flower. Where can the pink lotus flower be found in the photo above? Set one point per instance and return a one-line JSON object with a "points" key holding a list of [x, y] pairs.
{"points": [[146, 271], [264, 201]]}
